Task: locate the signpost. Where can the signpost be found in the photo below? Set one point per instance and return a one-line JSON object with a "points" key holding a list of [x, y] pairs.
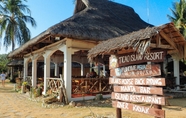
{"points": [[138, 108], [139, 98], [132, 58], [136, 71], [139, 89], [137, 83]]}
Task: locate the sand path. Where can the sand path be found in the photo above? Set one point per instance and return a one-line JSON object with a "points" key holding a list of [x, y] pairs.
{"points": [[16, 105]]}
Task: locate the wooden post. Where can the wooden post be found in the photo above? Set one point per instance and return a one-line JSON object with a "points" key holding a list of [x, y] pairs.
{"points": [[86, 87], [158, 107], [61, 95], [100, 86], [64, 90], [118, 113]]}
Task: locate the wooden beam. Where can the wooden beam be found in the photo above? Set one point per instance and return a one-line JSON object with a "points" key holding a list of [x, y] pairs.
{"points": [[79, 48], [48, 36], [171, 51], [153, 45], [123, 51], [158, 40], [169, 40], [48, 47]]}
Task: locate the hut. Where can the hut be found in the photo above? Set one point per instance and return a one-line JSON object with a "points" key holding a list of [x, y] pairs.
{"points": [[69, 41], [18, 66], [165, 37]]}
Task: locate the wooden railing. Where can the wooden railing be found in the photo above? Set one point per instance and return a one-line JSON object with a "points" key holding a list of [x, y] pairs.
{"points": [[80, 85], [90, 85], [54, 84]]}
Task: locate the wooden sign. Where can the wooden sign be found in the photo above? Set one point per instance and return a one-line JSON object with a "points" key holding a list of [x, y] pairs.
{"points": [[136, 71], [138, 81], [139, 89], [130, 78], [138, 98], [132, 58], [137, 108]]}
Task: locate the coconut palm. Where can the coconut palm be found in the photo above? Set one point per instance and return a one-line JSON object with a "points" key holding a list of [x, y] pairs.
{"points": [[14, 16], [179, 16], [3, 62]]}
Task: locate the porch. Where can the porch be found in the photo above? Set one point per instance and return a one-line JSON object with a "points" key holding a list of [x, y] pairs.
{"points": [[81, 87]]}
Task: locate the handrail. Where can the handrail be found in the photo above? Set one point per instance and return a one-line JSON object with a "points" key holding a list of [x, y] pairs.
{"points": [[54, 78]]}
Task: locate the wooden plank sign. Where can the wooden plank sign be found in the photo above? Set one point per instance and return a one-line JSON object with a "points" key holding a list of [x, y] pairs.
{"points": [[138, 81], [137, 108], [136, 71], [130, 78], [139, 89], [132, 58], [138, 98]]}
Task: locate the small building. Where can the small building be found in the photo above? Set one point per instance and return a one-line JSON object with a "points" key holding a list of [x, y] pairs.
{"points": [[165, 37], [56, 50]]}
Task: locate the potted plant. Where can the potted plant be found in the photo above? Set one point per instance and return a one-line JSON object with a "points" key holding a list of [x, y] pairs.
{"points": [[24, 87]]}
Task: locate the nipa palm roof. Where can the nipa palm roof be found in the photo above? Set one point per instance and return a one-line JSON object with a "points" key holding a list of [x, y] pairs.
{"points": [[165, 37], [94, 20]]}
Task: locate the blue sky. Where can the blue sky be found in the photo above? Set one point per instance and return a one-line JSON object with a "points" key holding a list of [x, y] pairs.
{"points": [[49, 12]]}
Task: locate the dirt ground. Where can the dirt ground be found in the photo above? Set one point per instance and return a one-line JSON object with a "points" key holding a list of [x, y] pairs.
{"points": [[17, 105]]}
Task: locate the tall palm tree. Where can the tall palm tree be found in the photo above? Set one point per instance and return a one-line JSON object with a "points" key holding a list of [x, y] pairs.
{"points": [[179, 20], [179, 16], [14, 16]]}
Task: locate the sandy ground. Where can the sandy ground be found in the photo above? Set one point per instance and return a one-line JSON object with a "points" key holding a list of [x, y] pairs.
{"points": [[16, 105]]}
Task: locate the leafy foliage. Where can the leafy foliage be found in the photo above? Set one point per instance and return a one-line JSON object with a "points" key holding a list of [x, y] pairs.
{"points": [[179, 16], [14, 16], [3, 62]]}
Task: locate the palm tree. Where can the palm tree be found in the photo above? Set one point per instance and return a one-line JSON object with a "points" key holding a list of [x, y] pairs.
{"points": [[179, 20], [3, 62], [14, 16], [179, 16]]}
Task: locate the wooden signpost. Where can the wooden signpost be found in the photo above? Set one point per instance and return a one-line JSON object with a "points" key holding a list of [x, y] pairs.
{"points": [[137, 83], [139, 89], [132, 58], [136, 71], [138, 108], [139, 98]]}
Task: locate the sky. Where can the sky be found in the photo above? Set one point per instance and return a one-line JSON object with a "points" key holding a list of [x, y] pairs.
{"points": [[50, 12]]}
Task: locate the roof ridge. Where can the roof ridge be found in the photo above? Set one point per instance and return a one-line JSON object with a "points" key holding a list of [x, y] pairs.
{"points": [[90, 3]]}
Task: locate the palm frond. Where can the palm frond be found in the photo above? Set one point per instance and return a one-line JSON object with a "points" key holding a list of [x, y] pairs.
{"points": [[13, 24]]}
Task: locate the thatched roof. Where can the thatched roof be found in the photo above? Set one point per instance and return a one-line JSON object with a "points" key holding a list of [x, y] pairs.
{"points": [[95, 20], [99, 20], [15, 63], [163, 37]]}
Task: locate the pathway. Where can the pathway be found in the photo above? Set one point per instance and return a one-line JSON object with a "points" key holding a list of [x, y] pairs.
{"points": [[16, 105]]}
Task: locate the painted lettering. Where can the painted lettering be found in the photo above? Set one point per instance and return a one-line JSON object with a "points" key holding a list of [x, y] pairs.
{"points": [[147, 99], [140, 109], [122, 105], [139, 98], [127, 81], [115, 81], [128, 88], [124, 97], [152, 81], [139, 81], [152, 56], [145, 90]]}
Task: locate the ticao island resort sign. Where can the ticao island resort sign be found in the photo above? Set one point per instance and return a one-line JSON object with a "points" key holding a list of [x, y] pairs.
{"points": [[137, 83]]}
